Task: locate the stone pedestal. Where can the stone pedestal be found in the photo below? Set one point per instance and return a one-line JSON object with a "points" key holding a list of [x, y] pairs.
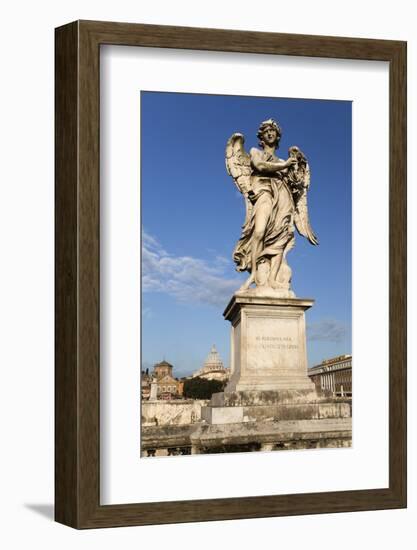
{"points": [[268, 343], [270, 398]]}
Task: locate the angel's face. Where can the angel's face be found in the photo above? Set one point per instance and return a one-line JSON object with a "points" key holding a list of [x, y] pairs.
{"points": [[270, 136]]}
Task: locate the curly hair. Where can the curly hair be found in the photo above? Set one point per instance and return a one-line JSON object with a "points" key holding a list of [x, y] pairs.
{"points": [[270, 123]]}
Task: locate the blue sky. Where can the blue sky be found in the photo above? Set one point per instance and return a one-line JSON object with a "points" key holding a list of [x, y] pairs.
{"points": [[192, 214]]}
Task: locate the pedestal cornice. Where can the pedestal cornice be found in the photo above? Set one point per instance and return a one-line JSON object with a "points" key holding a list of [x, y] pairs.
{"points": [[247, 299]]}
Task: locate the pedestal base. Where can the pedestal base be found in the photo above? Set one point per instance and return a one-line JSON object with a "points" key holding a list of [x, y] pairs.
{"points": [[273, 406], [268, 343]]}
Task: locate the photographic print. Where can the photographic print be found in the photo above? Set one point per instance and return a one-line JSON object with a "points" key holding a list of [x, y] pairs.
{"points": [[246, 277]]}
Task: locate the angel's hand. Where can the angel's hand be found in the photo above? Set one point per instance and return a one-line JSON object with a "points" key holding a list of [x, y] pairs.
{"points": [[290, 161]]}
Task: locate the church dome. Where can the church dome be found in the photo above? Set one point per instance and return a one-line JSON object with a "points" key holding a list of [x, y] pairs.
{"points": [[213, 361], [162, 369], [164, 364], [213, 368]]}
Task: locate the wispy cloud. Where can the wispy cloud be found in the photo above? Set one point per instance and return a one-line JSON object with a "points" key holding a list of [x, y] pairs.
{"points": [[147, 312], [187, 279], [329, 330]]}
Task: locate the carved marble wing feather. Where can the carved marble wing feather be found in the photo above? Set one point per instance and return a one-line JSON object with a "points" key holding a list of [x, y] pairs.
{"points": [[238, 162], [238, 166], [302, 221], [299, 180]]}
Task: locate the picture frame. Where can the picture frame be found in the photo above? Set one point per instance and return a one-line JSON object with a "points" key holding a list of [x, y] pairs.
{"points": [[77, 269]]}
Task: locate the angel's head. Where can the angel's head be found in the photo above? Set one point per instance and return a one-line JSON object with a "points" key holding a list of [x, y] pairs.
{"points": [[269, 133]]}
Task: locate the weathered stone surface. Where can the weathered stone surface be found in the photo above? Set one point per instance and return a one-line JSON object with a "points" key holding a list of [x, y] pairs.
{"points": [[166, 436], [296, 412], [273, 406], [264, 397], [168, 413], [222, 415], [275, 192], [268, 343], [295, 434], [246, 436]]}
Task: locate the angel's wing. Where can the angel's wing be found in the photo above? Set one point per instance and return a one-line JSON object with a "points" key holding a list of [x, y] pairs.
{"points": [[299, 179], [238, 166], [238, 163]]}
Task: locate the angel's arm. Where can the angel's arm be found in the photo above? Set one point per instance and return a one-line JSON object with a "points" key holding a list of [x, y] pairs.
{"points": [[264, 166]]}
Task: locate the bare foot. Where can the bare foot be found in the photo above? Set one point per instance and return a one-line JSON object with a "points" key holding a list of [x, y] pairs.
{"points": [[273, 284]]}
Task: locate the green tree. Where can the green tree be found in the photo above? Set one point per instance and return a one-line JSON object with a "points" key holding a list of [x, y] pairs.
{"points": [[200, 388]]}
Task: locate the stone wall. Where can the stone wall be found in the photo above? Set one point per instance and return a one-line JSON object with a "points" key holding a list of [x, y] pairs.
{"points": [[202, 438], [172, 413]]}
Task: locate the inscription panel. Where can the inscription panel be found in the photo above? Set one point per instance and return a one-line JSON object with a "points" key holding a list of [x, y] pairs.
{"points": [[272, 344]]}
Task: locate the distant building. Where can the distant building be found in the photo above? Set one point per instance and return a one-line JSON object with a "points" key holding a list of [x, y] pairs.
{"points": [[213, 368], [162, 369], [334, 375], [167, 386]]}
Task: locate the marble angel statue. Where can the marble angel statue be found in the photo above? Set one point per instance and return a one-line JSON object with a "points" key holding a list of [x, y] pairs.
{"points": [[275, 193]]}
